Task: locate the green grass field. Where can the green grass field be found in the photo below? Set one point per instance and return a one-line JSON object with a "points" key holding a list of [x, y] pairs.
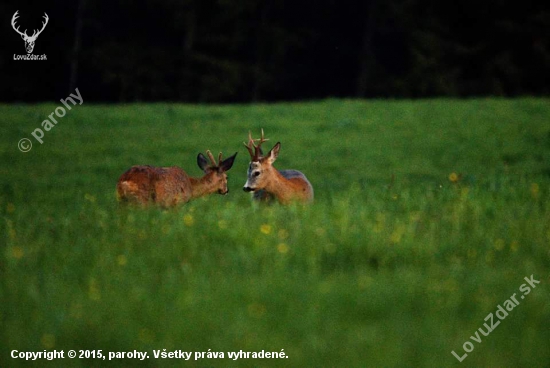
{"points": [[428, 215]]}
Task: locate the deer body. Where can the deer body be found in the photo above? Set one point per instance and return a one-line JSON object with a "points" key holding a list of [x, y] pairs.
{"points": [[268, 183], [286, 187], [169, 186]]}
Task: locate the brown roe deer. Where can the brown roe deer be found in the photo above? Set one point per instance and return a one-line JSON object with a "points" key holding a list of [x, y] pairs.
{"points": [[270, 184], [169, 186]]}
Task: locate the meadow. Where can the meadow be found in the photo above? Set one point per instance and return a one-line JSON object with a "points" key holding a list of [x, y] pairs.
{"points": [[428, 215]]}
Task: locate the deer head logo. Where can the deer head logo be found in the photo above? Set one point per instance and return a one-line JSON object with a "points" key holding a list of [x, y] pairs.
{"points": [[29, 40]]}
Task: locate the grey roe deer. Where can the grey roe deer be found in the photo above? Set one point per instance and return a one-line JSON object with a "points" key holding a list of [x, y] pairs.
{"points": [[270, 184], [169, 186]]}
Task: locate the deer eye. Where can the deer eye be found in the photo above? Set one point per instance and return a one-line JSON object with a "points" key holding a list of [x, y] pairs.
{"points": [[257, 173]]}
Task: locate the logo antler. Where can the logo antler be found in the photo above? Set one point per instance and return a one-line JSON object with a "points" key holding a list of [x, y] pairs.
{"points": [[29, 40]]}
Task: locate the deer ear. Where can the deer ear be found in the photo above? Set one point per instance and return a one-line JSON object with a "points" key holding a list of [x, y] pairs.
{"points": [[228, 163], [274, 153], [202, 162]]}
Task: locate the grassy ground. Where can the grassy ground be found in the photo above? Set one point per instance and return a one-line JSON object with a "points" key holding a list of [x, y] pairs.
{"points": [[428, 216]]}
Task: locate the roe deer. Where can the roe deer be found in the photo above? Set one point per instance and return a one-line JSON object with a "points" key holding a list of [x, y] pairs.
{"points": [[268, 183], [168, 186]]}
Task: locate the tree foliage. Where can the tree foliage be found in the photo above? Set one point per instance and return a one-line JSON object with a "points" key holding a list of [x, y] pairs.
{"points": [[246, 50]]}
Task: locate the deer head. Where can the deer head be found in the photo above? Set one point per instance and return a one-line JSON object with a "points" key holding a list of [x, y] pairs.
{"points": [[259, 170], [29, 40], [215, 171]]}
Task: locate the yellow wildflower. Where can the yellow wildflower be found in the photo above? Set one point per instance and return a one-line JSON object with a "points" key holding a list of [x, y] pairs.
{"points": [[282, 248], [90, 198], [17, 252], [535, 190], [499, 244], [142, 234], [93, 290], [265, 229], [48, 341], [398, 233], [121, 260], [188, 220], [283, 234]]}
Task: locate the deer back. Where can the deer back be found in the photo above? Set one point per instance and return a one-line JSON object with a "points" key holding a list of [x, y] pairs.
{"points": [[166, 186], [303, 190]]}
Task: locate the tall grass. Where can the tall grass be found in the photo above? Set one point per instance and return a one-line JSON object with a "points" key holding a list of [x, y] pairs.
{"points": [[428, 215]]}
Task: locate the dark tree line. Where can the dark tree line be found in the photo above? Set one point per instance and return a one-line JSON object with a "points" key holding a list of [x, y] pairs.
{"points": [[246, 50]]}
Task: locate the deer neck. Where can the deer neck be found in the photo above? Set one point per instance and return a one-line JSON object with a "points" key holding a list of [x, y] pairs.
{"points": [[282, 188], [202, 186]]}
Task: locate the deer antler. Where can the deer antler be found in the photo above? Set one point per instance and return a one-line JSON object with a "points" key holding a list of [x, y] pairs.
{"points": [[255, 155], [250, 144], [13, 20], [211, 157]]}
